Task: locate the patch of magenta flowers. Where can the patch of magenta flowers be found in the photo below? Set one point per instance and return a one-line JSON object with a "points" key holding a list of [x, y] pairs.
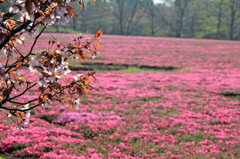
{"points": [[72, 116]]}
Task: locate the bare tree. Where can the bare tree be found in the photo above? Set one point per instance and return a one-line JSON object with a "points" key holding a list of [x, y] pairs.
{"points": [[125, 14], [234, 6], [192, 18], [181, 6], [165, 15], [119, 15], [134, 9], [220, 13], [135, 26], [177, 9], [150, 8]]}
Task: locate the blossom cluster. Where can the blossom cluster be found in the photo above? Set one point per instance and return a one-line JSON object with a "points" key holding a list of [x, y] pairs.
{"points": [[50, 65]]}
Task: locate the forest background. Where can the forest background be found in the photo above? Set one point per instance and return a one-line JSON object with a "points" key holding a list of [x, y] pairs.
{"points": [[208, 19]]}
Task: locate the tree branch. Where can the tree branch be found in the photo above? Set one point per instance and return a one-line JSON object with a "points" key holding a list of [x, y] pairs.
{"points": [[36, 41], [13, 109], [18, 51], [7, 15], [22, 103], [23, 91], [7, 61], [18, 29]]}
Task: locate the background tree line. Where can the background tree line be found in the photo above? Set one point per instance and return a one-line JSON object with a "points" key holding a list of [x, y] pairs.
{"points": [[210, 19]]}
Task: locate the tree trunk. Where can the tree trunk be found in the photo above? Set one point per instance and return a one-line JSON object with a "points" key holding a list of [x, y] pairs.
{"points": [[232, 24], [192, 27], [233, 7], [182, 10], [219, 19], [130, 21], [74, 24], [180, 25], [120, 7], [152, 14]]}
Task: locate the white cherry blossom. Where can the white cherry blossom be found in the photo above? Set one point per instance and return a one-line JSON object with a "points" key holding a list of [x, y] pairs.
{"points": [[76, 103]]}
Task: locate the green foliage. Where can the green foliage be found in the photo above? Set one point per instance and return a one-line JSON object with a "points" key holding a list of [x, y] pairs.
{"points": [[86, 130], [161, 151], [191, 137], [200, 20], [146, 99], [132, 153], [47, 149], [33, 111], [196, 137], [52, 29], [108, 132], [117, 139], [132, 70], [48, 118], [135, 142], [100, 150], [231, 95], [17, 147]]}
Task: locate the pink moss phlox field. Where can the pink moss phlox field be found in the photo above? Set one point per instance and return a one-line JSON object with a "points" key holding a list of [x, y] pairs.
{"points": [[150, 114], [66, 117], [202, 54]]}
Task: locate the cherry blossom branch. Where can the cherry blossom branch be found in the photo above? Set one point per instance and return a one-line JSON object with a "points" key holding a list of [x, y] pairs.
{"points": [[23, 91], [36, 40], [22, 103], [14, 64], [18, 29], [58, 59], [2, 25], [7, 15], [7, 99], [7, 61], [14, 109], [18, 51]]}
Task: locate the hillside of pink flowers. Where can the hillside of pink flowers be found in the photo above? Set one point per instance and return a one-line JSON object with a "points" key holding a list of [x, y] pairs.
{"points": [[156, 51], [184, 113]]}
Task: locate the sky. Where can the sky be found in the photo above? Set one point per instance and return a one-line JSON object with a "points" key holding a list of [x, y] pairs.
{"points": [[157, 1]]}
